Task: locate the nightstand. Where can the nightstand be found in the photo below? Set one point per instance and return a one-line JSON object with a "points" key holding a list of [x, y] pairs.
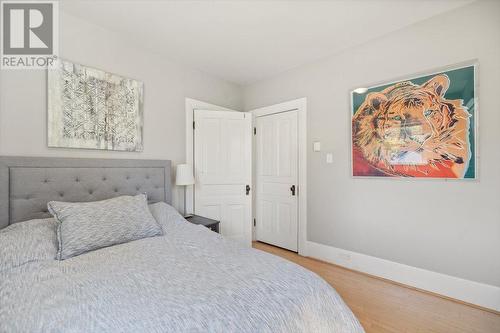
{"points": [[205, 221]]}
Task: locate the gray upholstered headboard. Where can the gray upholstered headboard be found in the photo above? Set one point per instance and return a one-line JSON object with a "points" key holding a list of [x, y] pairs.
{"points": [[28, 183]]}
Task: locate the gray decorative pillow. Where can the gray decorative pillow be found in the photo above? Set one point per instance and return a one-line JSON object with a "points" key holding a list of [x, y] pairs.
{"points": [[88, 226]]}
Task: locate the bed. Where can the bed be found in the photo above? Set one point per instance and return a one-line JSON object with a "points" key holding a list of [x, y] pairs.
{"points": [[190, 279]]}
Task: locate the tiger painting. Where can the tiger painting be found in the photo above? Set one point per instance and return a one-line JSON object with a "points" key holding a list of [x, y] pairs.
{"points": [[411, 130]]}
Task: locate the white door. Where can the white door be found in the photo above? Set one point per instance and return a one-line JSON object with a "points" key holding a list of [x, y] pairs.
{"points": [[276, 179], [223, 170]]}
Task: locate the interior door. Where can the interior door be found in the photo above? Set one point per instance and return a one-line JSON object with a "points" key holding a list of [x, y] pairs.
{"points": [[276, 179], [223, 171]]}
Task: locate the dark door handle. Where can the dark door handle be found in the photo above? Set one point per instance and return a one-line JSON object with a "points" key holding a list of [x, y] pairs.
{"points": [[247, 189], [292, 189]]}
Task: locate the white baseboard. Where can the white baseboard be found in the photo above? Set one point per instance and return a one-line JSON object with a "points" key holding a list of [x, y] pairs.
{"points": [[484, 295]]}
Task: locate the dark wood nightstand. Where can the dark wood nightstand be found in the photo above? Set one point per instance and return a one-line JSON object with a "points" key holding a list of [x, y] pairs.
{"points": [[205, 221]]}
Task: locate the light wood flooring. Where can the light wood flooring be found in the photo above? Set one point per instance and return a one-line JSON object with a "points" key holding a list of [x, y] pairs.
{"points": [[385, 306]]}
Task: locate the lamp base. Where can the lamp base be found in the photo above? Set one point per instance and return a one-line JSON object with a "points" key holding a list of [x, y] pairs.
{"points": [[184, 214]]}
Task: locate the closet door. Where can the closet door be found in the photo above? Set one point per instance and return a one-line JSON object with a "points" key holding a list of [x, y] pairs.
{"points": [[276, 178], [223, 171]]}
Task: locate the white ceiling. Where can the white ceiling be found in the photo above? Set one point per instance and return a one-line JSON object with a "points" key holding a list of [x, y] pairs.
{"points": [[246, 41]]}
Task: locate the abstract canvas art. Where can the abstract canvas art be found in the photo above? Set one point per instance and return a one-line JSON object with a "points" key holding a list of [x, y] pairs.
{"points": [[93, 109], [423, 127]]}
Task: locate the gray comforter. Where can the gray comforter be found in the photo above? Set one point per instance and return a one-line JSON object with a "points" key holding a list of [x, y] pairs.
{"points": [[189, 280]]}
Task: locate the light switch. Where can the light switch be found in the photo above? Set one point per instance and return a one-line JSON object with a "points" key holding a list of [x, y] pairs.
{"points": [[329, 158], [317, 146]]}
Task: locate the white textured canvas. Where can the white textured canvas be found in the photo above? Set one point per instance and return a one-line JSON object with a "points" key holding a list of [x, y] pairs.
{"points": [[93, 109]]}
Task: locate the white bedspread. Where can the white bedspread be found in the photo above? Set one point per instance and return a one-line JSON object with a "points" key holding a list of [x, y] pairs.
{"points": [[189, 280]]}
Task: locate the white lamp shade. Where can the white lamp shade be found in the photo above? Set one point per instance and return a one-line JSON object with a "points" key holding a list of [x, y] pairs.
{"points": [[184, 175]]}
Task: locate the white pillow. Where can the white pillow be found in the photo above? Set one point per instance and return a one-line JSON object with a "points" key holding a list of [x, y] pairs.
{"points": [[28, 241]]}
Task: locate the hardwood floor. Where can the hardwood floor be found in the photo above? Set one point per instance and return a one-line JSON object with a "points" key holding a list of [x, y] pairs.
{"points": [[384, 306]]}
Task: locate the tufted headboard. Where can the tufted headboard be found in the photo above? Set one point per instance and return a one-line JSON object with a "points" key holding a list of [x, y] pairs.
{"points": [[28, 183]]}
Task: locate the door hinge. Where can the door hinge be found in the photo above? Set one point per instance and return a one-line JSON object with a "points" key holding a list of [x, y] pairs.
{"points": [[193, 125], [254, 224], [255, 131]]}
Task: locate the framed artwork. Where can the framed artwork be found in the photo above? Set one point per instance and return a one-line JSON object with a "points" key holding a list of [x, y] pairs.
{"points": [[420, 127], [93, 109]]}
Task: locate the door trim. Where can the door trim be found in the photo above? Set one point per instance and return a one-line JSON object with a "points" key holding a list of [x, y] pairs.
{"points": [[301, 106], [191, 105]]}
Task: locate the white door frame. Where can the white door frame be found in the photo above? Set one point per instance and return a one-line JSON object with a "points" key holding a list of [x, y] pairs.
{"points": [[191, 105], [301, 106]]}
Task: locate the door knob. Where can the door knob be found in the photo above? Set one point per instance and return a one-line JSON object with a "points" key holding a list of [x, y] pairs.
{"points": [[292, 189], [247, 189]]}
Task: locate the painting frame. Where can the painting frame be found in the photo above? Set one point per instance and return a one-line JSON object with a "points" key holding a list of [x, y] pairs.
{"points": [[473, 126], [118, 110]]}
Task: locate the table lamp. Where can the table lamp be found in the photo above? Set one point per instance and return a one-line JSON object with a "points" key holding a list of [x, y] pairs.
{"points": [[184, 177]]}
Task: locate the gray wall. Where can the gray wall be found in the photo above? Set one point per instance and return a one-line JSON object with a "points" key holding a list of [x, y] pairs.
{"points": [[23, 95], [448, 227]]}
